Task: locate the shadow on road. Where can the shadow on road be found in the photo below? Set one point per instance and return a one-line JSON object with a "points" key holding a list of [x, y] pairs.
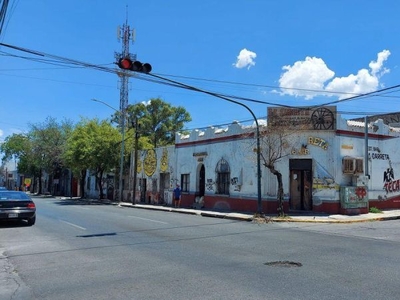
{"points": [[12, 224], [83, 202]]}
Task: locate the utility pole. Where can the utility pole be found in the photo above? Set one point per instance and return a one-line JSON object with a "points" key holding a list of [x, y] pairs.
{"points": [[135, 125], [126, 35]]}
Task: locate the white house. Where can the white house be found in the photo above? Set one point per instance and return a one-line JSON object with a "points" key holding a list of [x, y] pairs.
{"points": [[329, 164]]}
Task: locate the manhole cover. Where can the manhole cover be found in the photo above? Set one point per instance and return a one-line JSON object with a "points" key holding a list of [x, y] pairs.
{"points": [[284, 263]]}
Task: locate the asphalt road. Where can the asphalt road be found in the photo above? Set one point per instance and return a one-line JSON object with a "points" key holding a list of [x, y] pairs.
{"points": [[78, 251]]}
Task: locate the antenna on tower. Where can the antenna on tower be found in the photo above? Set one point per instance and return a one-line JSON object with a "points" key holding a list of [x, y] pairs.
{"points": [[119, 33], [126, 18], [133, 35]]}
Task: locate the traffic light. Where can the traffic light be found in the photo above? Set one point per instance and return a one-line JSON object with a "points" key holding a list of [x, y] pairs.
{"points": [[127, 64]]}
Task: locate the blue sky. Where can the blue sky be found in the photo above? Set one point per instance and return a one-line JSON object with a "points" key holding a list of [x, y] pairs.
{"points": [[288, 52]]}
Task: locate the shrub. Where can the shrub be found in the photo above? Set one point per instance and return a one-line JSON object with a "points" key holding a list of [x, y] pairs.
{"points": [[375, 210]]}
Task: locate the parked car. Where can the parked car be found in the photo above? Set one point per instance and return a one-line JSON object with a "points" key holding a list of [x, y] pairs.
{"points": [[17, 206], [3, 188]]}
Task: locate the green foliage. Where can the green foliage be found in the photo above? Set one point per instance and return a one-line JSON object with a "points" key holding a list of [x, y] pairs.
{"points": [[48, 141], [158, 121], [375, 210], [93, 145], [15, 146], [40, 149], [19, 147]]}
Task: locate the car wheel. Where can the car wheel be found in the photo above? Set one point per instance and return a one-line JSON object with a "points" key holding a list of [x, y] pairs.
{"points": [[32, 221]]}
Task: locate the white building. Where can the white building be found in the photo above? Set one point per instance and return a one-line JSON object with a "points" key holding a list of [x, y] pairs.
{"points": [[323, 165]]}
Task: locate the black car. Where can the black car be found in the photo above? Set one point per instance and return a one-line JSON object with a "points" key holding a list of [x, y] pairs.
{"points": [[17, 206]]}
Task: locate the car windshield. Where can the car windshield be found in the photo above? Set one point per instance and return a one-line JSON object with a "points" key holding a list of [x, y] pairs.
{"points": [[6, 195]]}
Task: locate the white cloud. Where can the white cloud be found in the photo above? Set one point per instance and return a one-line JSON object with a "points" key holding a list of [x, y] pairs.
{"points": [[313, 74], [1, 133], [245, 59], [376, 66], [146, 103], [310, 74]]}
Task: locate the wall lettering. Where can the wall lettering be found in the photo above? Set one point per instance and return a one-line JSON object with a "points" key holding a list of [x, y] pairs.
{"points": [[380, 156], [315, 141], [302, 151], [392, 186]]}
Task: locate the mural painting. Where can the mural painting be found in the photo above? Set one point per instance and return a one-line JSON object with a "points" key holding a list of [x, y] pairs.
{"points": [[150, 162], [164, 161]]}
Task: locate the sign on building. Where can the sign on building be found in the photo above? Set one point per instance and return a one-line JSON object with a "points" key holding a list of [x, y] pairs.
{"points": [[321, 118]]}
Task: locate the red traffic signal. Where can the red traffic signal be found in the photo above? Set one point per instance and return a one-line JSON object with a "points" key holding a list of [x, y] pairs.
{"points": [[125, 63], [136, 66]]}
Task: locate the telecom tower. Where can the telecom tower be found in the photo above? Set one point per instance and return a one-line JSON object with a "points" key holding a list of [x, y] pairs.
{"points": [[127, 35]]}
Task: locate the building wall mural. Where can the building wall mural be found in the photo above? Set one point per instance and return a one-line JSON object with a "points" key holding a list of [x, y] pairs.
{"points": [[150, 162], [164, 161]]}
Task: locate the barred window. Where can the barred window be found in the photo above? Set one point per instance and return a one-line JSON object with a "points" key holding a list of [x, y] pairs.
{"points": [[223, 175], [185, 182]]}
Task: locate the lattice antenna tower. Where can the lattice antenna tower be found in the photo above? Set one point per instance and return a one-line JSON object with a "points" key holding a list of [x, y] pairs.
{"points": [[126, 35]]}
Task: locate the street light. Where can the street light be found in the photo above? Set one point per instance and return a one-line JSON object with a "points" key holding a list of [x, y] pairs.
{"points": [[259, 203], [121, 164]]}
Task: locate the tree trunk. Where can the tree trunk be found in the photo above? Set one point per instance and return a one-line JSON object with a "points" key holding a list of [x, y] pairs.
{"points": [[99, 178], [40, 182], [82, 183], [279, 196], [281, 212]]}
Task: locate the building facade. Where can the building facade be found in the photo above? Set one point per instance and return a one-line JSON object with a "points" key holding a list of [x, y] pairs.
{"points": [[328, 164]]}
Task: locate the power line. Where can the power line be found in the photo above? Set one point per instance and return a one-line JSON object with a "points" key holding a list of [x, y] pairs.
{"points": [[262, 85], [63, 61]]}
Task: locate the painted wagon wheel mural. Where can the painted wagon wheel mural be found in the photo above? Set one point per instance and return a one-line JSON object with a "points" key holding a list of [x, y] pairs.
{"points": [[322, 118]]}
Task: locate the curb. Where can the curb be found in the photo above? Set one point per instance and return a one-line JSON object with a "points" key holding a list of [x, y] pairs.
{"points": [[269, 219]]}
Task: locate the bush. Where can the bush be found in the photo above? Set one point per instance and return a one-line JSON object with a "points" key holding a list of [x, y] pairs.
{"points": [[375, 210]]}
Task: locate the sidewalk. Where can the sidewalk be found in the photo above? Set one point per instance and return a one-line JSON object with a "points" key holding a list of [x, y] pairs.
{"points": [[298, 217]]}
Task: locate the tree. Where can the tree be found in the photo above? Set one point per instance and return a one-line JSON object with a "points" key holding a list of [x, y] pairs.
{"points": [[158, 120], [19, 148], [276, 143], [273, 144], [48, 141], [93, 145]]}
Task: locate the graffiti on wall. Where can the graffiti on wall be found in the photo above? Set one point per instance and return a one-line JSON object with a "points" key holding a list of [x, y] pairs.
{"points": [[236, 184], [323, 180], [210, 185], [390, 185]]}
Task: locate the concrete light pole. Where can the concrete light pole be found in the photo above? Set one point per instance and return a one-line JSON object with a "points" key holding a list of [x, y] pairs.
{"points": [[121, 165], [135, 125]]}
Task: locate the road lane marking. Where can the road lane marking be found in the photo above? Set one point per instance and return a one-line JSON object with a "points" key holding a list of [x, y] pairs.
{"points": [[151, 220], [83, 228]]}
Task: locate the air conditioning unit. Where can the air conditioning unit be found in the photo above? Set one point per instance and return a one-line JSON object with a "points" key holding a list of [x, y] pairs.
{"points": [[352, 165]]}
